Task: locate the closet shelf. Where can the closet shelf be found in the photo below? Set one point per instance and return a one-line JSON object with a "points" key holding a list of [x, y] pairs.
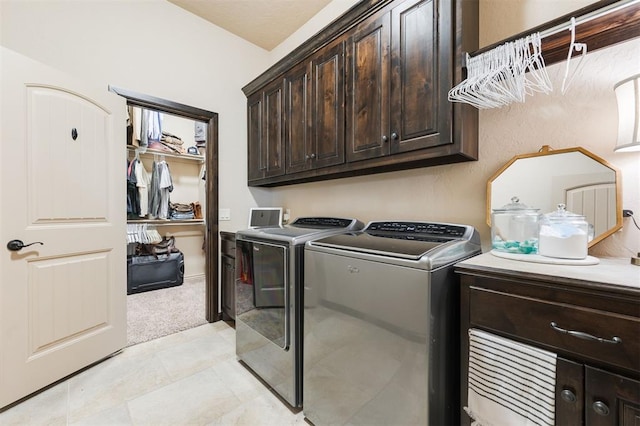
{"points": [[149, 152], [167, 222]]}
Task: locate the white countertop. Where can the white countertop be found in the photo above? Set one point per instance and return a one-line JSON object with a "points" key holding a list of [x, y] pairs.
{"points": [[617, 271]]}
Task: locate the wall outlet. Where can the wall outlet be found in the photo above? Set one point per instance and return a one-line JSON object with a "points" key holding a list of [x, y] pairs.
{"points": [[224, 214]]}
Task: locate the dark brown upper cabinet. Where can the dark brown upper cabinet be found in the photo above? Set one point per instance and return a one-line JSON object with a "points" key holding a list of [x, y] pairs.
{"points": [[367, 94], [314, 111], [368, 68], [297, 117], [396, 89], [265, 132], [328, 105]]}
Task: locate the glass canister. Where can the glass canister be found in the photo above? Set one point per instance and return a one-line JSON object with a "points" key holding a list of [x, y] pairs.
{"points": [[564, 234], [514, 228]]}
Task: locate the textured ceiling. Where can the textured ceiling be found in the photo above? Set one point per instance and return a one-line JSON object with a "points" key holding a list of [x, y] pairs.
{"points": [[265, 23]]}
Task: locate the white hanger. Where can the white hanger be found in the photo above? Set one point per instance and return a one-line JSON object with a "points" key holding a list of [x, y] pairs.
{"points": [[538, 76], [579, 47], [498, 77]]}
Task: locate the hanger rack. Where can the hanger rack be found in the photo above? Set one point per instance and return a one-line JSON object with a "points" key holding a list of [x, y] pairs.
{"points": [[599, 25], [602, 12], [507, 71]]}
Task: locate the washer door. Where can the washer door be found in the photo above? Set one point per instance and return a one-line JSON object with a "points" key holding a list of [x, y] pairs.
{"points": [[262, 290]]}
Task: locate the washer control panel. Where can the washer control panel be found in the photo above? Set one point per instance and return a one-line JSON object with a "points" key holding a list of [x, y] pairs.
{"points": [[417, 228]]}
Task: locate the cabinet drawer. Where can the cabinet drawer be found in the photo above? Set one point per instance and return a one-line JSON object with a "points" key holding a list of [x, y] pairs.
{"points": [[531, 319], [228, 248]]}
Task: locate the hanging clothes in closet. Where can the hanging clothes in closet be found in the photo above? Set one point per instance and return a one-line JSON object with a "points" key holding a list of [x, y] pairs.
{"points": [[150, 127], [161, 187], [138, 181], [143, 181], [133, 198]]}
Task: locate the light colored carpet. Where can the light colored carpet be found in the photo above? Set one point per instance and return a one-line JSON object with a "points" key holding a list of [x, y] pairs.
{"points": [[158, 313]]}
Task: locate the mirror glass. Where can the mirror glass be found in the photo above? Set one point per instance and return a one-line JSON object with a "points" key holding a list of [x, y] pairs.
{"points": [[584, 182]]}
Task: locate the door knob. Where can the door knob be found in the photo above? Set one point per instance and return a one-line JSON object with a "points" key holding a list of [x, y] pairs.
{"points": [[394, 136], [17, 245]]}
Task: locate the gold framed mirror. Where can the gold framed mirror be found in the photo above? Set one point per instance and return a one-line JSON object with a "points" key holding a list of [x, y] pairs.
{"points": [[584, 182]]}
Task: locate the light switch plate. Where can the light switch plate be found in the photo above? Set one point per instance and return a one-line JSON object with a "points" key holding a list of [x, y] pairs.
{"points": [[224, 214]]}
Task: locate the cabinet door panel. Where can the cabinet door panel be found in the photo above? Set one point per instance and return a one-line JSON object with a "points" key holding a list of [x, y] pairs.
{"points": [[569, 392], [415, 93], [328, 106], [273, 143], [368, 89], [611, 399], [256, 166], [297, 122]]}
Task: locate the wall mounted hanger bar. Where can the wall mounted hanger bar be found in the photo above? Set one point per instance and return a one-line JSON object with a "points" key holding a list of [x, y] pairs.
{"points": [[590, 16], [599, 25]]}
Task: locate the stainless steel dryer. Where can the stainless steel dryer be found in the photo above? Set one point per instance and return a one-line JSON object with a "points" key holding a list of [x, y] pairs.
{"points": [[381, 328], [268, 290]]}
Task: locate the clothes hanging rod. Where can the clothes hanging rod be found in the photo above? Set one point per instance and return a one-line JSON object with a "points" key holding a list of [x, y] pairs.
{"points": [[606, 10], [600, 25]]}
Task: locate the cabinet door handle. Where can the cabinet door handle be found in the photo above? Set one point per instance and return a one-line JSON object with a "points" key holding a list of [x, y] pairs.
{"points": [[568, 396], [585, 336], [601, 408]]}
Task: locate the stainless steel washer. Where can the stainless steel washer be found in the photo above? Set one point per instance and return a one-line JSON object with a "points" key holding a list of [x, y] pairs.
{"points": [[268, 290], [381, 323]]}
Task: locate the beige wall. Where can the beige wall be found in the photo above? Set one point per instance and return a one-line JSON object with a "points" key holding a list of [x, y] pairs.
{"points": [[151, 47], [154, 47]]}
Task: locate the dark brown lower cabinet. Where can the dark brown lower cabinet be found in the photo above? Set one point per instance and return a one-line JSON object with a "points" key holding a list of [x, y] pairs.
{"points": [[592, 396], [227, 275], [611, 399], [592, 325]]}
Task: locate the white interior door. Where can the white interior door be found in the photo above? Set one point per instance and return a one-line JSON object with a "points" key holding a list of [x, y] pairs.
{"points": [[62, 183]]}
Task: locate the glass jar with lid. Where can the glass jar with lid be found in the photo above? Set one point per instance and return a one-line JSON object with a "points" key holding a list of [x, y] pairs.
{"points": [[514, 228], [564, 234]]}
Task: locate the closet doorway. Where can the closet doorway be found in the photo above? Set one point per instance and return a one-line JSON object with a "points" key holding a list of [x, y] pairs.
{"points": [[210, 210]]}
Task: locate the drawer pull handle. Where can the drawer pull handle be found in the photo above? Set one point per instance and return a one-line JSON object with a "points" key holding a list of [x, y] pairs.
{"points": [[585, 336]]}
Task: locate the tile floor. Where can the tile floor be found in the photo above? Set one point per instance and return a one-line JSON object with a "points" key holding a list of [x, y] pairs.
{"points": [[187, 378]]}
